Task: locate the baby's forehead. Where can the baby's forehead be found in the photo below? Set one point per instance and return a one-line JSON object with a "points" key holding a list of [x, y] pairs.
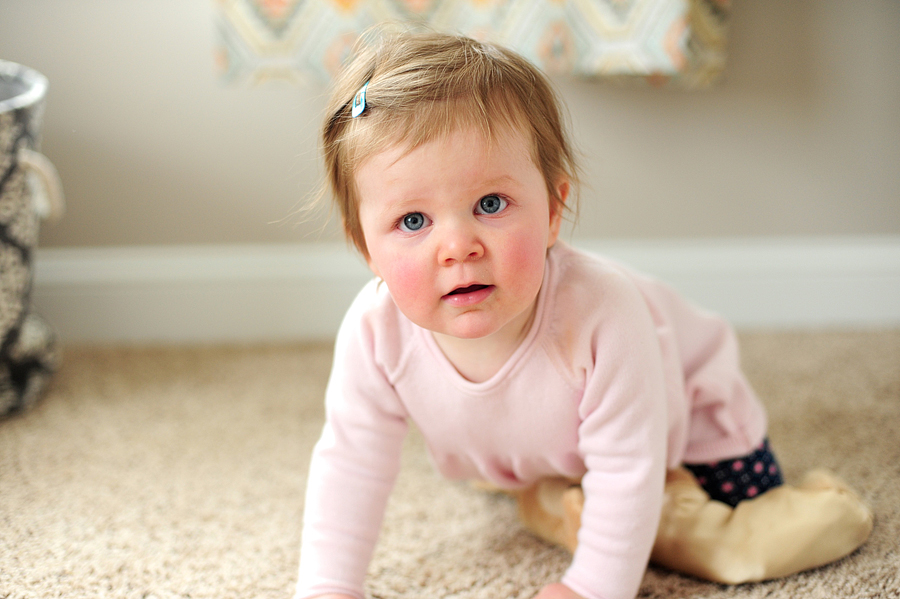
{"points": [[482, 140]]}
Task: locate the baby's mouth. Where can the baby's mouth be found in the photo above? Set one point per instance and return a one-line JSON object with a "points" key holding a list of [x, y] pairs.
{"points": [[469, 289], [470, 295]]}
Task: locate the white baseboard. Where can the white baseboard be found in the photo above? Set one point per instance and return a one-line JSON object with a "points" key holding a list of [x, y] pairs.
{"points": [[203, 294]]}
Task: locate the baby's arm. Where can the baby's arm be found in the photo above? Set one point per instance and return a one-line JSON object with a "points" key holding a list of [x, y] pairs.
{"points": [[557, 590], [623, 438], [352, 471]]}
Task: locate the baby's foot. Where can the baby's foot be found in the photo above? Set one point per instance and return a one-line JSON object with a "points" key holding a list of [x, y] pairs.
{"points": [[820, 480], [823, 479]]}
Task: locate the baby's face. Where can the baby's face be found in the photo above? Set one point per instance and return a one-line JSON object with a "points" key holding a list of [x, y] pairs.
{"points": [[458, 229]]}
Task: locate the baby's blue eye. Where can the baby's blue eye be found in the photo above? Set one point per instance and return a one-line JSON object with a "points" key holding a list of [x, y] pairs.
{"points": [[413, 221], [491, 204]]}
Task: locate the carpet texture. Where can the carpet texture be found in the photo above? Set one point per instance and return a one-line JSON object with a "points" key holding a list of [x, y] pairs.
{"points": [[162, 473]]}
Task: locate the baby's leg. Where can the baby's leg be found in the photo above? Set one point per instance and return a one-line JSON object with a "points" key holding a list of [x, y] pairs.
{"points": [[783, 531], [551, 509], [744, 525], [732, 481], [777, 533]]}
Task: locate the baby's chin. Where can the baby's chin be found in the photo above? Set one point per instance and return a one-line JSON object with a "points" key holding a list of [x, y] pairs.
{"points": [[475, 331], [473, 334], [482, 325]]}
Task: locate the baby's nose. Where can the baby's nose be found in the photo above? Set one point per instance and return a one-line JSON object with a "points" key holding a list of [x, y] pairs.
{"points": [[458, 244]]}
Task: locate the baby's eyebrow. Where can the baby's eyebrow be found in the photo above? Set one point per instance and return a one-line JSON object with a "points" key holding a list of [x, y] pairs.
{"points": [[400, 207], [501, 180]]}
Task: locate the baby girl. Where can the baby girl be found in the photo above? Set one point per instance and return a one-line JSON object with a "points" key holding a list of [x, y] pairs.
{"points": [[520, 359]]}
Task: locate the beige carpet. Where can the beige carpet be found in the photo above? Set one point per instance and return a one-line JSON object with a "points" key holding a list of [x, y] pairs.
{"points": [[179, 473]]}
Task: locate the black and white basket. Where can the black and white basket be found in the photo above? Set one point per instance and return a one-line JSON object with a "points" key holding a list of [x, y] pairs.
{"points": [[29, 191]]}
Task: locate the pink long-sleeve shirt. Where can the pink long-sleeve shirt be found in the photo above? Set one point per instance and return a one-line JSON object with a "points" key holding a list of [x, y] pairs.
{"points": [[617, 380]]}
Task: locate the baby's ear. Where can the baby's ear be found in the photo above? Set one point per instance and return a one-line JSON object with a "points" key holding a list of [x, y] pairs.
{"points": [[556, 210], [562, 192]]}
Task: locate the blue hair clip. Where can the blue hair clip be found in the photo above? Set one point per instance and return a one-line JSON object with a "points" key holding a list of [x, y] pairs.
{"points": [[359, 101]]}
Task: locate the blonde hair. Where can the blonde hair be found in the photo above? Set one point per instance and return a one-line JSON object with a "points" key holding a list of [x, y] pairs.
{"points": [[422, 86]]}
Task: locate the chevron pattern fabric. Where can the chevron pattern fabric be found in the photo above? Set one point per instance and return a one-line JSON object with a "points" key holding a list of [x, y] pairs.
{"points": [[661, 42]]}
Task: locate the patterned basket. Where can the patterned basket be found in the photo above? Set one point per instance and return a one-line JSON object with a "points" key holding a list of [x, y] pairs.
{"points": [[29, 190]]}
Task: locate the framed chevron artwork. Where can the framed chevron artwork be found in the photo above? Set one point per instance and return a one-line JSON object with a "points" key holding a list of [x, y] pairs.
{"points": [[659, 42]]}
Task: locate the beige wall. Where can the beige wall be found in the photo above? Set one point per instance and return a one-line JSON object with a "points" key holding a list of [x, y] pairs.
{"points": [[802, 138]]}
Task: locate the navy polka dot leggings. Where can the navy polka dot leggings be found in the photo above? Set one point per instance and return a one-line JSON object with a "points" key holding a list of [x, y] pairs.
{"points": [[731, 481]]}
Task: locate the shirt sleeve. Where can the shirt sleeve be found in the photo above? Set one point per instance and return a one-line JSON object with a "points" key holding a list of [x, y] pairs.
{"points": [[622, 438], [353, 467]]}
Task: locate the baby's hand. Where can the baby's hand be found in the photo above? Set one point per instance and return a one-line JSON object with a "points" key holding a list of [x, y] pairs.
{"points": [[557, 590]]}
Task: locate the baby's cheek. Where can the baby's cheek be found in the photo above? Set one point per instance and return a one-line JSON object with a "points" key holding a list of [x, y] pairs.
{"points": [[406, 283], [527, 257]]}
